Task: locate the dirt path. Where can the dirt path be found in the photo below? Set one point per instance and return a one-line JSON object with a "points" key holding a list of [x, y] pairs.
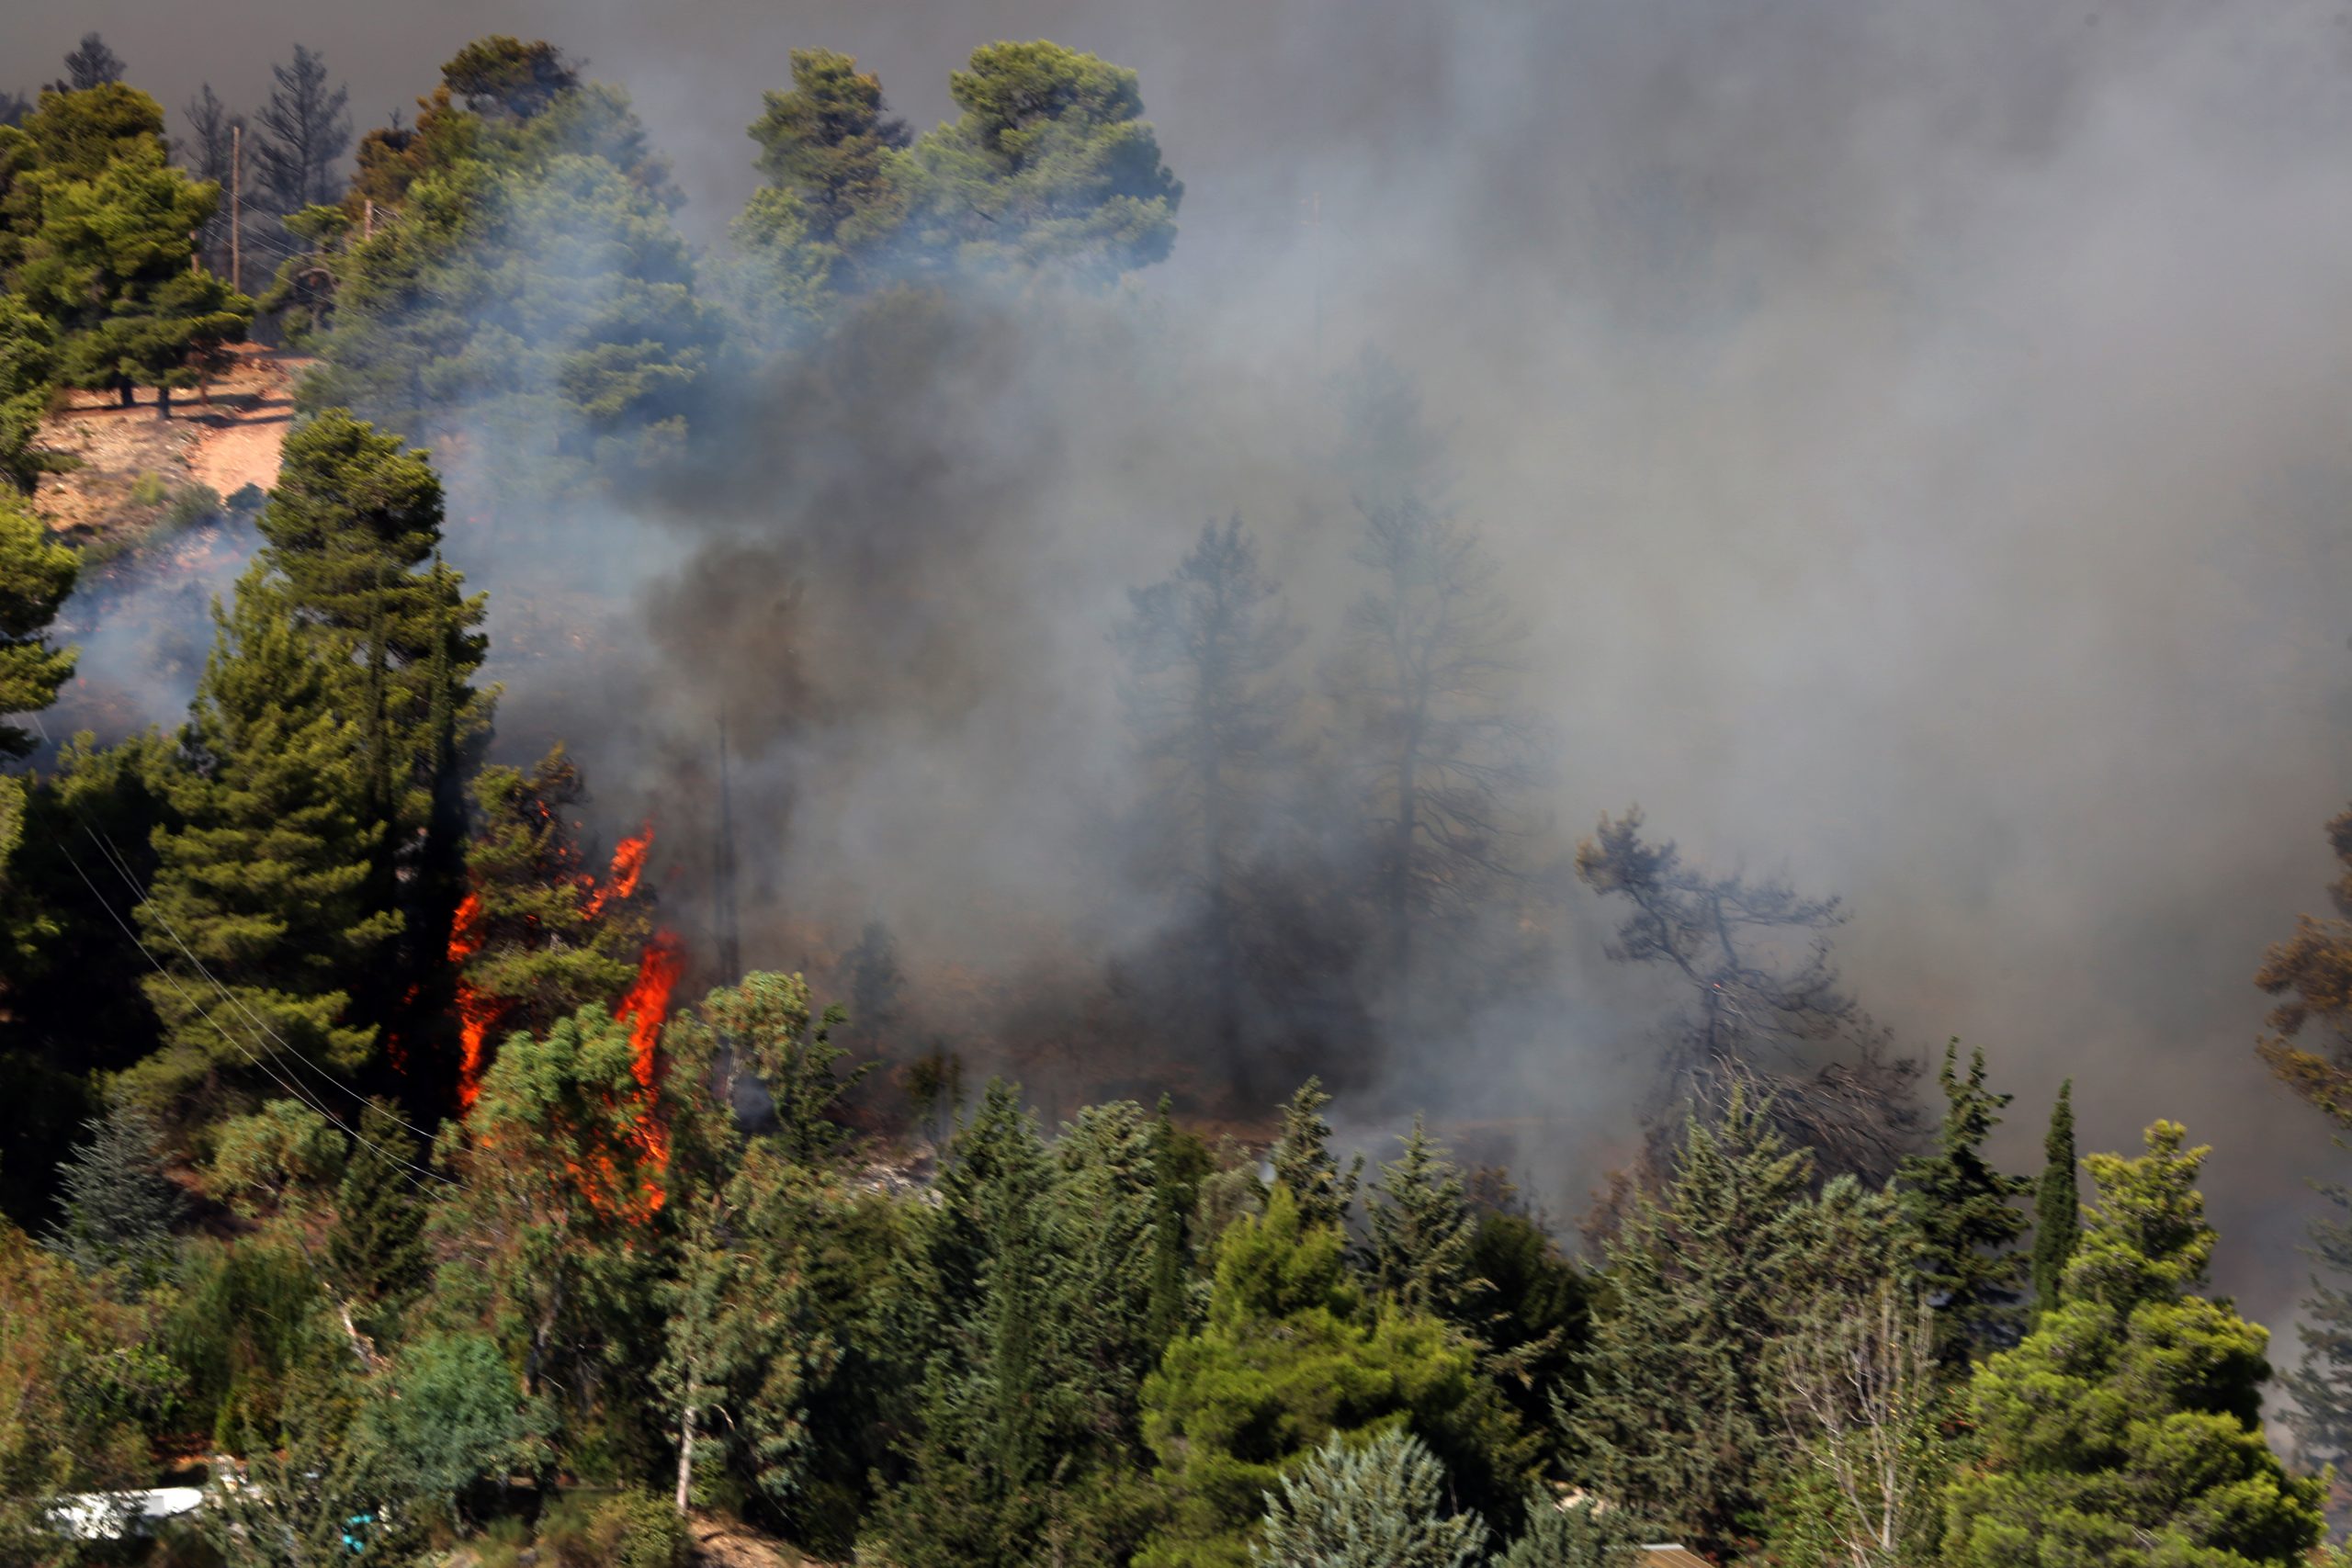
{"points": [[225, 442]]}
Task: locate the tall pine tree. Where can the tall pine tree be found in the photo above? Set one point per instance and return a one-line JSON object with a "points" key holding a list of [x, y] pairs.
{"points": [[376, 1252], [259, 916], [1964, 1214], [2057, 1205], [1423, 1233]]}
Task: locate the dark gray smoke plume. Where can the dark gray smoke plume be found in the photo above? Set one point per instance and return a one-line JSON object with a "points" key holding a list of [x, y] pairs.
{"points": [[1915, 436]]}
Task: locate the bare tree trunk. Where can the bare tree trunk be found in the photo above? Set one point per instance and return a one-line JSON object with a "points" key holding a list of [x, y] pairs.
{"points": [[686, 1443]]}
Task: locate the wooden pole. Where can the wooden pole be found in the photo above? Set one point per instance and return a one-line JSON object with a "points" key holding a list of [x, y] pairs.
{"points": [[237, 208], [368, 228]]}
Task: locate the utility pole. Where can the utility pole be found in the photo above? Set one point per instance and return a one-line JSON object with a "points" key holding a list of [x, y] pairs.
{"points": [[237, 208]]}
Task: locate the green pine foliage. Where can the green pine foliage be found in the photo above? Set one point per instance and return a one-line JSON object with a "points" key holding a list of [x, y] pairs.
{"points": [[1290, 1354], [117, 1208], [2057, 1205], [1677, 1415], [1965, 1214], [1049, 165], [2127, 1427], [1584, 1536], [107, 265], [1303, 1160], [376, 1254], [1377, 1504], [528, 281], [1422, 1234], [37, 573], [258, 915]]}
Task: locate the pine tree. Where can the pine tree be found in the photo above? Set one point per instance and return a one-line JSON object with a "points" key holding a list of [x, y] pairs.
{"points": [[91, 64], [2319, 1391], [2057, 1205], [117, 1208], [1423, 1233], [1304, 1163], [1964, 1214], [376, 1250], [28, 360], [109, 266], [1288, 1358], [1582, 1537], [304, 134], [351, 533], [541, 934], [260, 891], [1678, 1415], [37, 573], [826, 147], [2126, 1428], [1374, 1504]]}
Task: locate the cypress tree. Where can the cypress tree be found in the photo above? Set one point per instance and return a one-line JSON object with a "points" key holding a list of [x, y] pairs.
{"points": [[2057, 1205], [260, 889], [1963, 1211], [1303, 1160], [376, 1252], [117, 1206], [1170, 1308]]}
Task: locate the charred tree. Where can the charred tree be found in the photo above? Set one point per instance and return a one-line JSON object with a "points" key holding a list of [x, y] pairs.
{"points": [[1765, 1006], [1209, 710]]}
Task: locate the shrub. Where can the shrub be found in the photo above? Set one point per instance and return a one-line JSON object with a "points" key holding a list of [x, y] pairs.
{"points": [[194, 504], [628, 1529], [149, 490]]}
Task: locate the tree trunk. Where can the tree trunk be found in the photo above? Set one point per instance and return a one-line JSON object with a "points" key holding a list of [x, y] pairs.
{"points": [[686, 1444], [123, 390], [162, 400]]}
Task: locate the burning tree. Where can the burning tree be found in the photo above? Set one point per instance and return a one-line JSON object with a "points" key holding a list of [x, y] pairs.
{"points": [[538, 935], [1764, 1002]]}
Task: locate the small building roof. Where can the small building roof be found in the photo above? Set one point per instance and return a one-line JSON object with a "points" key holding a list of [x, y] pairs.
{"points": [[1670, 1554]]}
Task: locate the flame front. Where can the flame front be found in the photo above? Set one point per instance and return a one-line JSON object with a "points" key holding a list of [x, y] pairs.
{"points": [[646, 1006], [477, 1011]]}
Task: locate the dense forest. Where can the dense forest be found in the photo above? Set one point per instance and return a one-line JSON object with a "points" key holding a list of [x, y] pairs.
{"points": [[399, 1147]]}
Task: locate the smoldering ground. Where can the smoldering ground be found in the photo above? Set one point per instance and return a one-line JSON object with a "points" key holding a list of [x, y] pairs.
{"points": [[1914, 436]]}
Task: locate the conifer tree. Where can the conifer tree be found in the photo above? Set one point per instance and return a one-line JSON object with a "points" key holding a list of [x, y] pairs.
{"points": [[1963, 1211], [1303, 1160], [1289, 1356], [260, 889], [1422, 1232], [109, 265], [28, 359], [542, 934], [2057, 1205], [116, 1207], [2127, 1427], [833, 199], [1585, 1536], [37, 573], [1374, 1504], [2319, 1389], [376, 1250], [1677, 1416]]}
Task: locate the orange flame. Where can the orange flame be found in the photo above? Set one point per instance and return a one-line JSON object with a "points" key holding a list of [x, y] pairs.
{"points": [[477, 1011], [646, 1005], [628, 864]]}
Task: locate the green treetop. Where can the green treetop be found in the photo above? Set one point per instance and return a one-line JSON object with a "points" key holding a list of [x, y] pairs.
{"points": [[2126, 1428], [1050, 165], [110, 265], [827, 145], [2057, 1205], [1304, 1162], [259, 886], [1677, 1416], [1422, 1234], [1289, 1357], [37, 573], [1967, 1223]]}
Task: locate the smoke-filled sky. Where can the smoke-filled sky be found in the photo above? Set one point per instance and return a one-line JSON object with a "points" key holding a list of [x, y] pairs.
{"points": [[1915, 436]]}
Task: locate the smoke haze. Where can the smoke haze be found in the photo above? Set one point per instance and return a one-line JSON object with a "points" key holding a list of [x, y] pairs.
{"points": [[1915, 437]]}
